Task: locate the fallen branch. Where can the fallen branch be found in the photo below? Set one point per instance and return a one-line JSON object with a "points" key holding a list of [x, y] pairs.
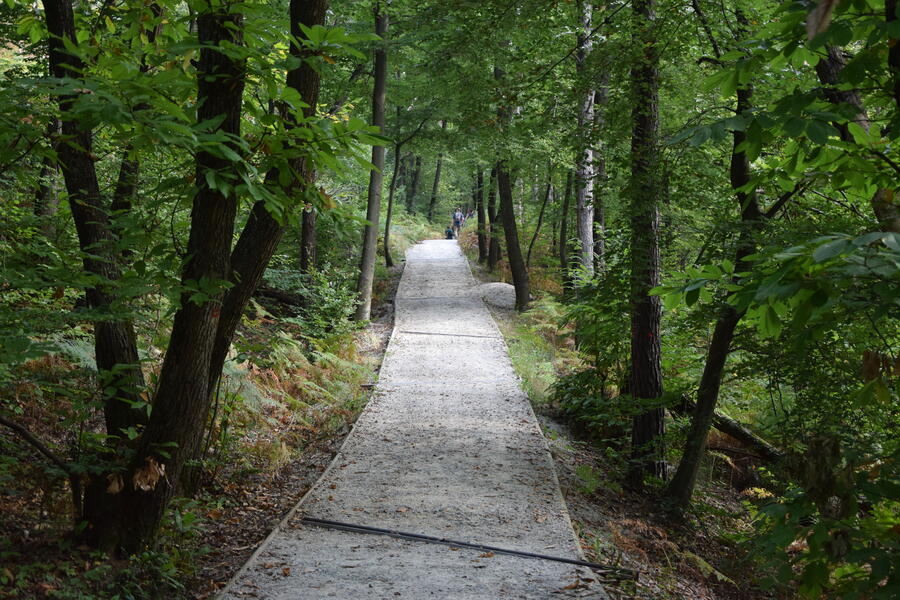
{"points": [[735, 429], [281, 296]]}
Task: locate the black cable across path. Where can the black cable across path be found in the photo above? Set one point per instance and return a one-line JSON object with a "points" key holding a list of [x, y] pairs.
{"points": [[615, 572]]}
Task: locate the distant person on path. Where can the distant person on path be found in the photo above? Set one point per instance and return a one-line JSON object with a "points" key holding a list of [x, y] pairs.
{"points": [[449, 232], [457, 221]]}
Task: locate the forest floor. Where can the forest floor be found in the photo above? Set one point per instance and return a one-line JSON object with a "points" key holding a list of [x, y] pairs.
{"points": [[263, 466], [448, 447]]}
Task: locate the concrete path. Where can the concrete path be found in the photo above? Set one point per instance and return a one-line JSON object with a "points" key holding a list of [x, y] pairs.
{"points": [[448, 447]]}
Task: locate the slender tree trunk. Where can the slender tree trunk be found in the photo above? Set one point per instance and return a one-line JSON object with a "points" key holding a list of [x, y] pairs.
{"points": [[180, 407], [262, 233], [437, 181], [114, 339], [584, 167], [46, 198], [308, 245], [483, 240], [390, 208], [891, 17], [600, 97], [645, 380], [494, 225], [413, 190], [564, 228], [548, 196], [513, 250], [681, 488], [370, 237]]}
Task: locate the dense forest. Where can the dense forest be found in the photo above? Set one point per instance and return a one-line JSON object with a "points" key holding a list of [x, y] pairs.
{"points": [[205, 206]]}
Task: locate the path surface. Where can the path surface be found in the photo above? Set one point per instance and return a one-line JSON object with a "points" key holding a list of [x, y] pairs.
{"points": [[448, 447]]}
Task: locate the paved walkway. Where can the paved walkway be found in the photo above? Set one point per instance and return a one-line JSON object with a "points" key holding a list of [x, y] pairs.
{"points": [[447, 447]]}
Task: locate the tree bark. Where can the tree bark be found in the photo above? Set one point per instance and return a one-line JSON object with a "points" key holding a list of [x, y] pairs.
{"points": [[891, 16], [376, 177], [600, 98], [131, 517], [483, 243], [645, 379], [413, 190], [584, 166], [437, 180], [548, 196], [564, 227], [513, 250], [390, 208], [114, 338], [260, 237], [494, 225], [308, 244]]}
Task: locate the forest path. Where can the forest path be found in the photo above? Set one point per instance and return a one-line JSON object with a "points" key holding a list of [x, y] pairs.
{"points": [[449, 447]]}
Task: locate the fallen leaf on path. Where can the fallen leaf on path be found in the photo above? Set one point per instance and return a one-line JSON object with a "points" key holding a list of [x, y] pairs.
{"points": [[454, 548], [486, 555], [402, 509], [286, 571]]}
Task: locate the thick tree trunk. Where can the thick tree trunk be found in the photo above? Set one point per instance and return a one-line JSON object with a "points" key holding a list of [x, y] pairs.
{"points": [[173, 434], [114, 339], [548, 197], [390, 208], [483, 243], [883, 202], [645, 379], [600, 97], [413, 190], [513, 250], [564, 227], [584, 165], [494, 224], [370, 236]]}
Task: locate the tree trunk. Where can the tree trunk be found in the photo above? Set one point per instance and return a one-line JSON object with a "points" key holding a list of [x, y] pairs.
{"points": [[370, 236], [494, 224], [390, 208], [564, 227], [513, 250], [891, 17], [308, 252], [483, 233], [46, 198], [131, 517], [681, 487], [600, 97], [262, 233], [584, 166], [548, 196], [645, 379], [413, 190], [114, 339], [437, 180]]}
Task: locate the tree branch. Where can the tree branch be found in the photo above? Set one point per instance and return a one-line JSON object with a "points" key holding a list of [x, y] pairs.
{"points": [[37, 444]]}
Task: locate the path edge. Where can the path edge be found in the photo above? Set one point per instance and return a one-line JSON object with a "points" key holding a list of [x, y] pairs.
{"points": [[558, 487], [281, 525]]}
